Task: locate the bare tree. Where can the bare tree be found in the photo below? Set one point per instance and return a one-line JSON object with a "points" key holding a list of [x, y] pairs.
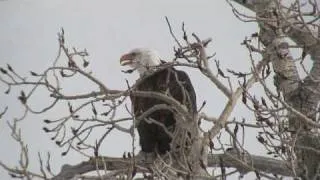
{"points": [[286, 115]]}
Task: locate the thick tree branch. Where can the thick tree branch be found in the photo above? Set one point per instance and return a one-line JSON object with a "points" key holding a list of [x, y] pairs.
{"points": [[250, 163]]}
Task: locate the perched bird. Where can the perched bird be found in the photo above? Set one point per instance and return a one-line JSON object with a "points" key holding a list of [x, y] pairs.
{"points": [[166, 80]]}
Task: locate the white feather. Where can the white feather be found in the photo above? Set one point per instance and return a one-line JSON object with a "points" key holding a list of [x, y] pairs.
{"points": [[145, 59]]}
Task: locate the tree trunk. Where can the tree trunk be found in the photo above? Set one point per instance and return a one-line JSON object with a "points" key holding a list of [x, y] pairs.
{"points": [[302, 95]]}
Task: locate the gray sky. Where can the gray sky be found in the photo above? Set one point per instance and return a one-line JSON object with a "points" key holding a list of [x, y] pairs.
{"points": [[108, 29]]}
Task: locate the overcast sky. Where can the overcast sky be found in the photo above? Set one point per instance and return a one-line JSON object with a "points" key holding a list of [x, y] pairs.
{"points": [[108, 29]]}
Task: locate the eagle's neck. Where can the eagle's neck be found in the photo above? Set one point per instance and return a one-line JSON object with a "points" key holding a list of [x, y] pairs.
{"points": [[148, 65], [144, 71]]}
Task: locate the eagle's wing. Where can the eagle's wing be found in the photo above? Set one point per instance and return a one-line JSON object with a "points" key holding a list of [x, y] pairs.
{"points": [[183, 91]]}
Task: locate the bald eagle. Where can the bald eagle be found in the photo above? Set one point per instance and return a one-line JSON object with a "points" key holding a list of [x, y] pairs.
{"points": [[168, 81]]}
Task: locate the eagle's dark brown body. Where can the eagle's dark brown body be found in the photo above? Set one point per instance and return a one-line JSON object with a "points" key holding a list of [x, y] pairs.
{"points": [[173, 83]]}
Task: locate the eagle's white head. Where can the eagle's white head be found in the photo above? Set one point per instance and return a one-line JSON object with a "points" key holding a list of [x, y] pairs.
{"points": [[141, 59]]}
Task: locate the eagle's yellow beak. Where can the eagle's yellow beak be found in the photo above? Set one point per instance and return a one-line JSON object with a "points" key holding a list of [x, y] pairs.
{"points": [[126, 59]]}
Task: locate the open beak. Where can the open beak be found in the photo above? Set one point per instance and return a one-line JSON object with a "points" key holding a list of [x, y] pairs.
{"points": [[126, 59]]}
